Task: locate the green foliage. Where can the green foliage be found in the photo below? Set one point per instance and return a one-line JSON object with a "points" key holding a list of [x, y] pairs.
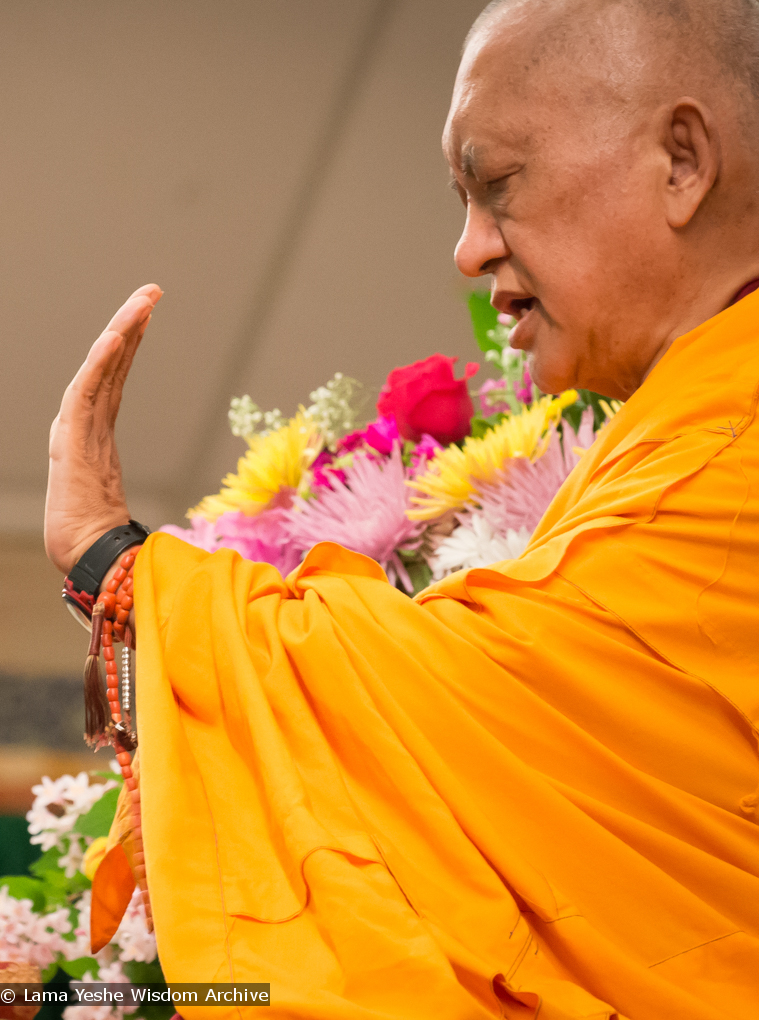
{"points": [[23, 887], [49, 972], [78, 968], [149, 973], [140, 973], [481, 425], [585, 399], [98, 820], [484, 320], [58, 890], [420, 574]]}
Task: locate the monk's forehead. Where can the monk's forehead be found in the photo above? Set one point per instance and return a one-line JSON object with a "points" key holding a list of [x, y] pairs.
{"points": [[576, 64], [505, 85]]}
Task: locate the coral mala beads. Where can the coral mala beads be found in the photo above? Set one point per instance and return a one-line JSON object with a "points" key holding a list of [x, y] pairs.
{"points": [[110, 619]]}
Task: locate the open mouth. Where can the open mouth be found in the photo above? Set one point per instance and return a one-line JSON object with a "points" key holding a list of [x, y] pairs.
{"points": [[520, 306]]}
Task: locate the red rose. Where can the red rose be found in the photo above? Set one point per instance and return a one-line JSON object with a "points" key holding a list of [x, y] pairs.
{"points": [[424, 397]]}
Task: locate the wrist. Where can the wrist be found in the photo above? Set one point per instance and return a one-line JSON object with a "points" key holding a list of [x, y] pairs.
{"points": [[91, 536], [110, 573], [98, 565]]}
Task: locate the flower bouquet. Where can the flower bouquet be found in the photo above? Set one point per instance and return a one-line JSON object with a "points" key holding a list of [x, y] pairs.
{"points": [[429, 486]]}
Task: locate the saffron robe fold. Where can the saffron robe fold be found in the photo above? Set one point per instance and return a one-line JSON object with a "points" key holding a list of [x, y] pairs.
{"points": [[533, 789]]}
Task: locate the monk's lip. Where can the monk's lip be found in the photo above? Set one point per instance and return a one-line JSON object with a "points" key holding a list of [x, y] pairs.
{"points": [[522, 334]]}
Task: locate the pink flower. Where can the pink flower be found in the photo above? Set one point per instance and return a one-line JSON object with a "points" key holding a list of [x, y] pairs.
{"points": [[425, 397], [366, 513], [382, 434], [523, 491], [424, 451], [264, 538], [323, 472], [491, 405], [525, 393], [352, 441]]}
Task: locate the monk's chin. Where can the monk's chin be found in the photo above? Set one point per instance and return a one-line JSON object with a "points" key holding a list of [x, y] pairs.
{"points": [[550, 377]]}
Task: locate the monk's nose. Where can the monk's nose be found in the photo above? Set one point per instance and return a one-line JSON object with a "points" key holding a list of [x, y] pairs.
{"points": [[481, 246]]}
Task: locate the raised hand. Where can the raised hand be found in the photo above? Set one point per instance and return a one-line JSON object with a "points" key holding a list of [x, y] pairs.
{"points": [[85, 496]]}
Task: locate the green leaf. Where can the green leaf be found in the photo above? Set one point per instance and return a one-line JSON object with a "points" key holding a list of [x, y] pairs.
{"points": [[140, 973], [58, 889], [97, 821], [484, 319], [481, 425], [113, 776], [48, 862], [23, 887], [49, 972], [77, 968], [420, 575], [149, 973], [585, 399]]}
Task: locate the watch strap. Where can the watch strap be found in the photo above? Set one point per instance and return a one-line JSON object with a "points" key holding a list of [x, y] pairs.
{"points": [[88, 573]]}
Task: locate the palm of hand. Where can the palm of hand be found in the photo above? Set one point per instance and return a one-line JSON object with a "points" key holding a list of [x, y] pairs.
{"points": [[85, 495]]}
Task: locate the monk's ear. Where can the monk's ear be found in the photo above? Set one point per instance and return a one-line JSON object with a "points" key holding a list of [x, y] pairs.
{"points": [[692, 144]]}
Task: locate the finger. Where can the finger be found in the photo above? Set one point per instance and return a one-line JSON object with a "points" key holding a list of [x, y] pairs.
{"points": [[133, 340], [81, 395], [132, 318], [122, 371], [94, 378]]}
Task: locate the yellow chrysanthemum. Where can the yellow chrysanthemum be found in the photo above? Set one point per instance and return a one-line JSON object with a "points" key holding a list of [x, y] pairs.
{"points": [[453, 473], [275, 461]]}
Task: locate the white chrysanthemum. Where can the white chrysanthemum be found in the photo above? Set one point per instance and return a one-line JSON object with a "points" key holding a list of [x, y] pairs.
{"points": [[29, 937], [57, 806], [475, 543]]}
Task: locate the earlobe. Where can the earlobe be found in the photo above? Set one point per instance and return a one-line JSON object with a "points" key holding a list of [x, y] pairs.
{"points": [[692, 142]]}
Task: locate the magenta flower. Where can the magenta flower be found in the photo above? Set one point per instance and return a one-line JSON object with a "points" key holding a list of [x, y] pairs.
{"points": [[424, 451], [524, 489], [382, 434], [322, 471], [524, 394], [264, 538], [352, 441], [366, 513]]}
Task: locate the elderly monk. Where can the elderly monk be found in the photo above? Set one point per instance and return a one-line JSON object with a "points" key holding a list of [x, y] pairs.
{"points": [[533, 790]]}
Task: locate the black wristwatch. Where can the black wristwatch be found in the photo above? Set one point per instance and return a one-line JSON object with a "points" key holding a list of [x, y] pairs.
{"points": [[80, 588]]}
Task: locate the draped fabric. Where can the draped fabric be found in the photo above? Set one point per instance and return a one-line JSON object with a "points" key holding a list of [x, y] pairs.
{"points": [[532, 791]]}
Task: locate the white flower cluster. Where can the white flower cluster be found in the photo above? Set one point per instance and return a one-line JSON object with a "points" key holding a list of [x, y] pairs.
{"points": [[28, 937], [332, 411], [505, 358], [132, 941], [55, 810], [476, 543], [246, 417]]}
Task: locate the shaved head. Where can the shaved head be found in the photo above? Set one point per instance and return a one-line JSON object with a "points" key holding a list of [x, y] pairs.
{"points": [[719, 34], [607, 152]]}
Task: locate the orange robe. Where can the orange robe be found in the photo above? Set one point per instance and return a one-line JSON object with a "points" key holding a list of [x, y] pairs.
{"points": [[533, 790]]}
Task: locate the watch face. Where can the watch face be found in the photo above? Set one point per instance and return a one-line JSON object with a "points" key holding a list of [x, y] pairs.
{"points": [[78, 613]]}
